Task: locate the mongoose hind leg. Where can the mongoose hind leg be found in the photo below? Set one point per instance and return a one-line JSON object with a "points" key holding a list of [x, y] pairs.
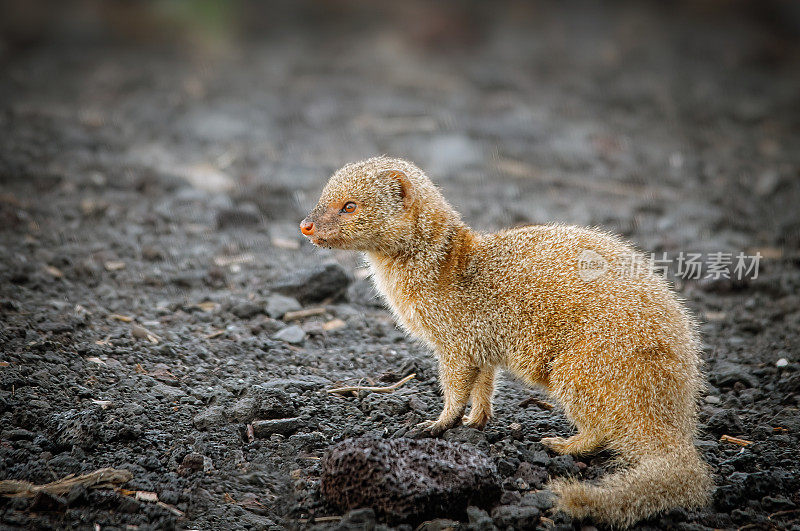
{"points": [[481, 411], [585, 442], [457, 381]]}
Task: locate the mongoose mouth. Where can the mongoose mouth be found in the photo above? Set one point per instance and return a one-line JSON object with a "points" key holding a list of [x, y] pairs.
{"points": [[321, 241]]}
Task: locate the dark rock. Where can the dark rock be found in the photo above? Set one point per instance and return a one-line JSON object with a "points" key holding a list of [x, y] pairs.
{"points": [[212, 416], [562, 465], [44, 501], [17, 434], [541, 499], [169, 496], [534, 476], [76, 495], [777, 503], [242, 215], [726, 374], [362, 519], [263, 404], [479, 519], [407, 480], [328, 281], [464, 434], [265, 428], [149, 462], [273, 403], [56, 327], [244, 410], [76, 428], [246, 309], [516, 516], [389, 405], [192, 462], [723, 422], [789, 383], [187, 279]]}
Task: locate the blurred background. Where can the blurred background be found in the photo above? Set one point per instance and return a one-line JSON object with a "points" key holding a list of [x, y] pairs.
{"points": [[675, 123]]}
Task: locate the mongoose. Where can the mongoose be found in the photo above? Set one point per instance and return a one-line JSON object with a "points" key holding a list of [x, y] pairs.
{"points": [[612, 342]]}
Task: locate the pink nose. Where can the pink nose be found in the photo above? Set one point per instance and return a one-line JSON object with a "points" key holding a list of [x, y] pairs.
{"points": [[307, 227]]}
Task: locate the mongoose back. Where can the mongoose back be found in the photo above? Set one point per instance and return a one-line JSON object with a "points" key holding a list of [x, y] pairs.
{"points": [[610, 341]]}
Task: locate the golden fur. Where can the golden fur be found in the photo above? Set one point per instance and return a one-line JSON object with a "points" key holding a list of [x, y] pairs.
{"points": [[617, 349]]}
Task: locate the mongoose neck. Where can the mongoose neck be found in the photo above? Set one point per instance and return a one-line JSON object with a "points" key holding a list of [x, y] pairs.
{"points": [[437, 239]]}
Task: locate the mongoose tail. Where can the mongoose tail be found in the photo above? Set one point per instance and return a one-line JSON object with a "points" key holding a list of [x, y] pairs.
{"points": [[650, 485]]}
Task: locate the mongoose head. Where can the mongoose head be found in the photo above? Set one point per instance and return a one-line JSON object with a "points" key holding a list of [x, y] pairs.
{"points": [[372, 205]]}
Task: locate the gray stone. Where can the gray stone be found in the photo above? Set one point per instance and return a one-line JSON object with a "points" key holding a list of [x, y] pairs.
{"points": [[464, 434], [534, 476], [390, 405], [291, 334], [263, 404], [726, 373], [265, 428], [541, 499], [516, 516], [212, 416], [327, 281], [246, 309], [244, 410], [724, 422], [278, 305], [479, 519]]}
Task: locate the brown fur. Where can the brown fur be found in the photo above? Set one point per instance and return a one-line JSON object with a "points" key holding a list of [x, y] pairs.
{"points": [[618, 351]]}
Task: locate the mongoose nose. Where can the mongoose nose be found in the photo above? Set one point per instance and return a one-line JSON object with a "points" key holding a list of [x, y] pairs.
{"points": [[307, 227]]}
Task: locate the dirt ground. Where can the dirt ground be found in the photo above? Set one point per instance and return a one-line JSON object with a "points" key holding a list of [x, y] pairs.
{"points": [[152, 187]]}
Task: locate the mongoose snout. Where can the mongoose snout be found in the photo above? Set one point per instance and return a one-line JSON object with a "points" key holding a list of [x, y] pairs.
{"points": [[553, 304]]}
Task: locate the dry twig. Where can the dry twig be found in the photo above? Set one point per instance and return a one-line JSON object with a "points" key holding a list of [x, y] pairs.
{"points": [[102, 478], [736, 440], [358, 388], [302, 314]]}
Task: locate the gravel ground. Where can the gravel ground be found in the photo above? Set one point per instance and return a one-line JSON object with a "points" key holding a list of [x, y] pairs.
{"points": [[149, 251]]}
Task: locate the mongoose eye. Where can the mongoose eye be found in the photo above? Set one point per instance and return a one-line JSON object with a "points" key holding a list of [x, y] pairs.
{"points": [[349, 207]]}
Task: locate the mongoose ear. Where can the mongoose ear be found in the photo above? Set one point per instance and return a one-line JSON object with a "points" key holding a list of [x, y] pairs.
{"points": [[406, 189]]}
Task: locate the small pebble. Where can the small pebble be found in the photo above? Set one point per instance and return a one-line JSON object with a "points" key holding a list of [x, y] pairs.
{"points": [[291, 334], [783, 362]]}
